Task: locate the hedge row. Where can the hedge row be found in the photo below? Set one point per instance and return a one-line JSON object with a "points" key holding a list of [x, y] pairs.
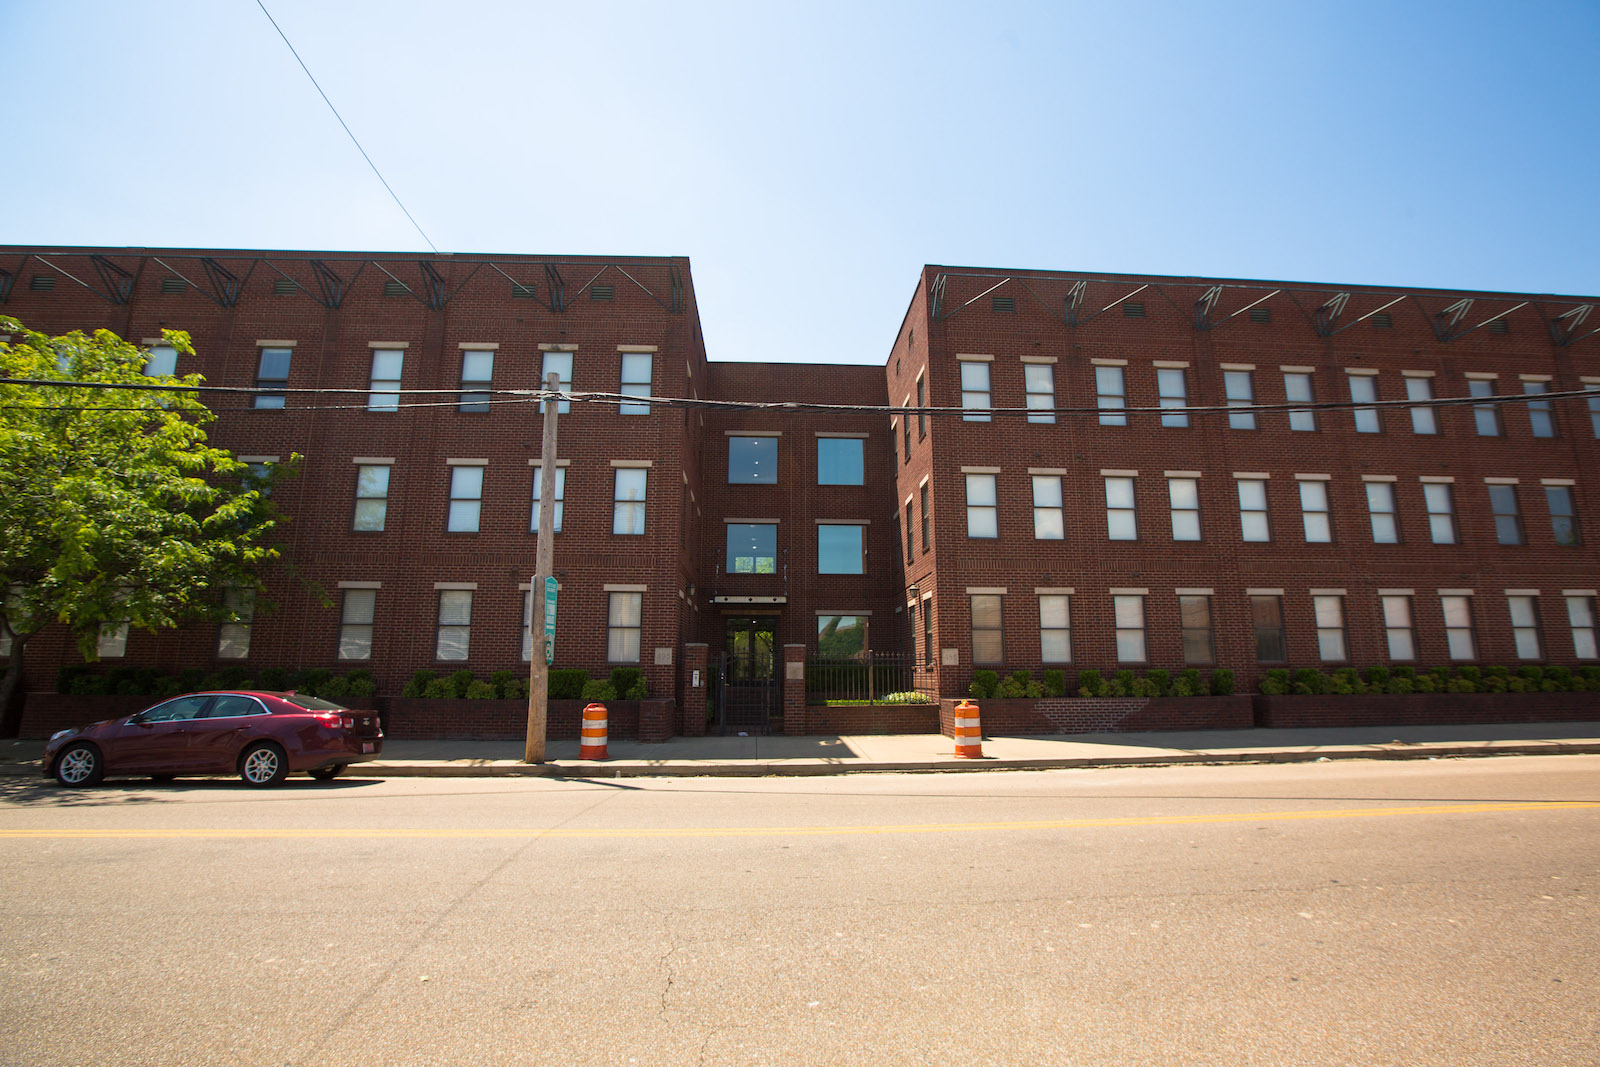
{"points": [[1462, 679], [1157, 683], [81, 680], [563, 684]]}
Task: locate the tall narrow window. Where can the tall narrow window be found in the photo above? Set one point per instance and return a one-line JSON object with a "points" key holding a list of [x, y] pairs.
{"points": [[466, 499], [922, 418], [385, 394], [1049, 516], [233, 638], [1121, 521], [927, 627], [1507, 519], [1055, 628], [1314, 512], [1253, 524], [561, 496], [1540, 418], [1458, 636], [272, 373], [927, 518], [1266, 613], [1441, 512], [975, 391], [1525, 626], [561, 364], [1194, 615], [1184, 494], [1241, 393], [454, 636], [840, 460], [1422, 420], [840, 548], [624, 623], [909, 544], [372, 499], [1128, 612], [1173, 390], [477, 374], [355, 623], [988, 629], [1581, 616], [1380, 506], [1039, 379], [911, 625], [1398, 629], [628, 500], [1111, 392], [1297, 390], [982, 509], [1329, 611], [161, 361], [635, 377], [1563, 519], [1364, 390], [1485, 416], [908, 436]]}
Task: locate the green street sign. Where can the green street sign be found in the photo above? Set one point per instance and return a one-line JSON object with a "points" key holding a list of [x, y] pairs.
{"points": [[549, 620]]}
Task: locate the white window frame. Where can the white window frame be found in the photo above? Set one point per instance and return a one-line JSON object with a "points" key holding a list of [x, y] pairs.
{"points": [[1526, 637], [1461, 641], [1183, 498], [1581, 620], [1055, 628], [371, 512], [358, 611], [465, 514], [161, 361], [561, 496], [1039, 383], [1399, 626], [453, 630], [1239, 387], [1122, 513], [1485, 417], [1172, 391], [272, 401], [634, 377], [975, 401], [1185, 630], [561, 361], [1111, 392], [981, 650], [1049, 509], [1423, 420], [624, 626], [1364, 390], [983, 507], [1552, 493], [388, 365], [1439, 499], [1316, 516], [477, 380], [1255, 524], [1541, 416], [1506, 521], [630, 493], [1385, 520], [1298, 389], [233, 638], [1332, 643], [1128, 618]]}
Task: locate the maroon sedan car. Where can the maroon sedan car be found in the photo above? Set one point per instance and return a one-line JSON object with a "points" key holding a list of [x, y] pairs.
{"points": [[261, 737]]}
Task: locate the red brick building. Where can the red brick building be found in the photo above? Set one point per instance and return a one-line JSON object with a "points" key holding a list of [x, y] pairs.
{"points": [[1074, 505]]}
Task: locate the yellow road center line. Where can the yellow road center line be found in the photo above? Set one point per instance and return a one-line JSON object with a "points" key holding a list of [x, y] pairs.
{"points": [[277, 833]]}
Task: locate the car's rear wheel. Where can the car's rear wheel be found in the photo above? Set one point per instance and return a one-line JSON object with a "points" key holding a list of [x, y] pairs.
{"points": [[328, 774], [80, 764], [263, 764]]}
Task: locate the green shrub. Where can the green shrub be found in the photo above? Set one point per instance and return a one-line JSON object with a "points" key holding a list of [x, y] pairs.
{"points": [[598, 691], [1033, 690], [362, 684], [985, 683], [1121, 684], [623, 679], [1055, 683], [1470, 673], [66, 674], [1010, 688], [1090, 684], [1400, 684], [1222, 682], [334, 688], [418, 686], [1425, 683], [1307, 681], [501, 679], [1561, 676], [1592, 676], [477, 690], [1493, 683], [566, 683], [1377, 678], [1162, 680], [1275, 682], [1404, 671], [907, 697], [1143, 687], [461, 680], [1517, 684], [1188, 683], [235, 677], [515, 689], [273, 679], [440, 689], [88, 685], [1532, 674], [314, 680], [639, 691], [167, 686], [1345, 681]]}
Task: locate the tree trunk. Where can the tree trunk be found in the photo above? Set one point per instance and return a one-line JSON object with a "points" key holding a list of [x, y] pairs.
{"points": [[11, 690]]}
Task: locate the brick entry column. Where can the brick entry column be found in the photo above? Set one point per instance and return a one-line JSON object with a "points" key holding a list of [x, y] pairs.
{"points": [[794, 690], [694, 696]]}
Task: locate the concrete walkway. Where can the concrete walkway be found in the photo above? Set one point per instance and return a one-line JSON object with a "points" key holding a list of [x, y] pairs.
{"points": [[756, 756]]}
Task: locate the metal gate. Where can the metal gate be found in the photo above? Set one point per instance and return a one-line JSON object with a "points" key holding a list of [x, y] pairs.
{"points": [[747, 692]]}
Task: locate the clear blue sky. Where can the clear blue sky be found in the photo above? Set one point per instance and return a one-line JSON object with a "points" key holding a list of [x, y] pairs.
{"points": [[811, 157]]}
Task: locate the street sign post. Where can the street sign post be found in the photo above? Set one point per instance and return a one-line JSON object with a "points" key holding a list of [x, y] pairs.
{"points": [[550, 620]]}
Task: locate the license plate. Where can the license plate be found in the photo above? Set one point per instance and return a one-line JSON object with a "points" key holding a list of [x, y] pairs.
{"points": [[366, 747]]}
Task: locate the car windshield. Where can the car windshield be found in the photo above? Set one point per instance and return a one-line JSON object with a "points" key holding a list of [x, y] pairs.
{"points": [[313, 703]]}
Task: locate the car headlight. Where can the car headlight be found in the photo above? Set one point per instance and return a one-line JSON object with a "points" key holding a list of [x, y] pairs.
{"points": [[59, 734]]}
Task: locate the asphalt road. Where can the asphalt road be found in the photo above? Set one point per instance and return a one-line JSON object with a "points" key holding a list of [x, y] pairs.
{"points": [[1342, 913]]}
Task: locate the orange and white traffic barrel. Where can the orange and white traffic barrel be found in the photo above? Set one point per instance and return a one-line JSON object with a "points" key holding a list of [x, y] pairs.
{"points": [[969, 735], [592, 742]]}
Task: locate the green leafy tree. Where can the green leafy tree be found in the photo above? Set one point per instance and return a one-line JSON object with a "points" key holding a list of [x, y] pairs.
{"points": [[113, 508]]}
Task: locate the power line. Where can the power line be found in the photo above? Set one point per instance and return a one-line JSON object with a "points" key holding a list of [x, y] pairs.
{"points": [[336, 115]]}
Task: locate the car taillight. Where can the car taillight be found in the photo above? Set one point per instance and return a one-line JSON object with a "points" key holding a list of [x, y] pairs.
{"points": [[334, 722]]}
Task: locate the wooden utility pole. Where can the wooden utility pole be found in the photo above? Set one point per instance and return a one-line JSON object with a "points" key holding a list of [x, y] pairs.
{"points": [[544, 567]]}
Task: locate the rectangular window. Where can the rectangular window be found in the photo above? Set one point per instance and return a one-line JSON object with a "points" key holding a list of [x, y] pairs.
{"points": [[1540, 418], [1128, 612], [1039, 380], [1314, 512], [635, 379], [841, 637], [911, 625], [1121, 520], [908, 436], [1297, 390], [983, 513], [1594, 411], [1580, 614], [922, 420], [455, 624], [1253, 524], [1184, 493], [988, 630], [628, 500], [840, 549], [161, 361], [927, 519], [840, 460], [477, 374], [1525, 626], [1441, 512], [372, 499], [1241, 392], [909, 542], [466, 499], [561, 496], [1329, 611], [1364, 390], [1055, 628], [1507, 520], [624, 623], [1458, 635], [1563, 519], [1194, 615], [1049, 515], [975, 391], [272, 373], [1380, 505], [233, 638], [1173, 390], [385, 394], [1398, 629], [1266, 613], [927, 627], [1486, 416], [752, 461], [355, 623], [1110, 392], [561, 364], [1422, 420], [752, 548]]}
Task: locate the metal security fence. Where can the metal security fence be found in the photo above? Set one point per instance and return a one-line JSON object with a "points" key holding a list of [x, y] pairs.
{"points": [[868, 677]]}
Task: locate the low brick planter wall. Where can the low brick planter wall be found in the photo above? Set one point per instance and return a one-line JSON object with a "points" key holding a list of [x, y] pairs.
{"points": [[45, 713], [1079, 715], [422, 719], [872, 719], [1424, 709]]}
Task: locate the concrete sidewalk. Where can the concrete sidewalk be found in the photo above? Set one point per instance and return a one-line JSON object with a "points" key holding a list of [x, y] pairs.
{"points": [[758, 756]]}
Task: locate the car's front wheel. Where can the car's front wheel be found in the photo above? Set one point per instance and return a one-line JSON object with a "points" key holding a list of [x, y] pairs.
{"points": [[263, 764], [327, 774], [79, 764]]}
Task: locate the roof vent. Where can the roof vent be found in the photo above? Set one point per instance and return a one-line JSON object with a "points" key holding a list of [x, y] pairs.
{"points": [[523, 292], [1133, 309], [1260, 314], [1005, 303], [42, 282], [1382, 321], [394, 288], [1499, 326], [285, 287], [601, 292], [174, 285]]}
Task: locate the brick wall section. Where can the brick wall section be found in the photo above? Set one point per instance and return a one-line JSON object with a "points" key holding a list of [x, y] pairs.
{"points": [[693, 719], [1107, 715], [796, 715], [873, 719], [1427, 709]]}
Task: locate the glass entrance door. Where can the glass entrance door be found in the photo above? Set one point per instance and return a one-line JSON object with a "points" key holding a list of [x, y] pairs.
{"points": [[750, 641]]}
